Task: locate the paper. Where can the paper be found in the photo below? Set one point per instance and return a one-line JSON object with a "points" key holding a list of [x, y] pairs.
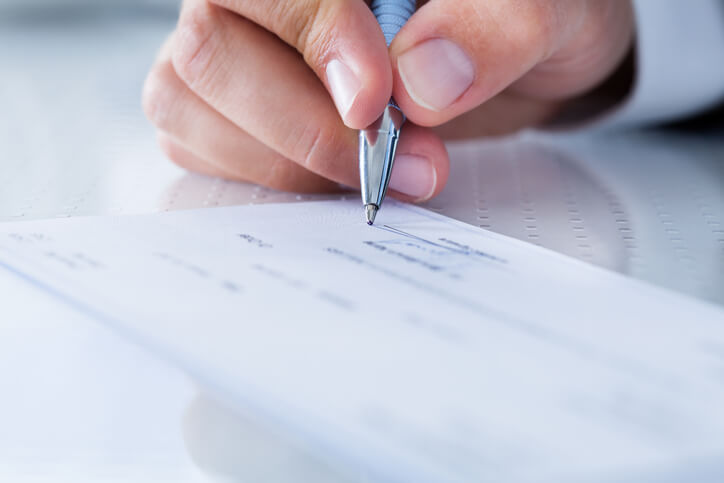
{"points": [[421, 349]]}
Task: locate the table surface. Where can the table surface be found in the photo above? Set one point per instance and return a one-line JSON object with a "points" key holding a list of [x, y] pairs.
{"points": [[81, 404]]}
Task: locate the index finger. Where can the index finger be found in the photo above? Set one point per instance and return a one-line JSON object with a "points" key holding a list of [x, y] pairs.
{"points": [[341, 42]]}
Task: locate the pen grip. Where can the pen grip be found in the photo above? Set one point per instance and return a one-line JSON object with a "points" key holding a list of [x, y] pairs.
{"points": [[392, 15]]}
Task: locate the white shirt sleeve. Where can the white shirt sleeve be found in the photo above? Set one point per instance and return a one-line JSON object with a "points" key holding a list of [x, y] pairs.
{"points": [[679, 61]]}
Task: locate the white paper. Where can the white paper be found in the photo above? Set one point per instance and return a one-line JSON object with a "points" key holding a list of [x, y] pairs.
{"points": [[421, 349]]}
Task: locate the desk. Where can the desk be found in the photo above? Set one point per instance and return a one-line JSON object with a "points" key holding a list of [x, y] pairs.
{"points": [[79, 403]]}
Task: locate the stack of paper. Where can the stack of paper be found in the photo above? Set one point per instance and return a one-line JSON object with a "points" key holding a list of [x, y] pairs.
{"points": [[421, 349]]}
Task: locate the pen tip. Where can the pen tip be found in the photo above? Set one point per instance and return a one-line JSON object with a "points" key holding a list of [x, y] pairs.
{"points": [[370, 213]]}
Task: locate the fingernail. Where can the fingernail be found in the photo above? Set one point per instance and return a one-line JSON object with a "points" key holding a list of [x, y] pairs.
{"points": [[344, 85], [414, 176], [436, 73]]}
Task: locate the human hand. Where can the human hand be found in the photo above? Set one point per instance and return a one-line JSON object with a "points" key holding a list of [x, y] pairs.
{"points": [[244, 89]]}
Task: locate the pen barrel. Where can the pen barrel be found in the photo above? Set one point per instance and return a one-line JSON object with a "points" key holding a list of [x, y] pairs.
{"points": [[392, 15], [377, 147], [378, 143]]}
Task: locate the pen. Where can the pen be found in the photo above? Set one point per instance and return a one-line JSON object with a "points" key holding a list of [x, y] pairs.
{"points": [[378, 143]]}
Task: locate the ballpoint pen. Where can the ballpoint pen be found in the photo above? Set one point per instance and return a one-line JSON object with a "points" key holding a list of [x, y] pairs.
{"points": [[378, 143]]}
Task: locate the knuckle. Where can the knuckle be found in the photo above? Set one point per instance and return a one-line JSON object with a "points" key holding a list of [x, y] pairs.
{"points": [[160, 95], [321, 150], [293, 24], [535, 26], [171, 150], [182, 158], [314, 39], [285, 175], [281, 175], [306, 144], [305, 26], [195, 42]]}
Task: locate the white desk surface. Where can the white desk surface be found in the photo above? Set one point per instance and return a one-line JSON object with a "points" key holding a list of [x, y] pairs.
{"points": [[80, 404]]}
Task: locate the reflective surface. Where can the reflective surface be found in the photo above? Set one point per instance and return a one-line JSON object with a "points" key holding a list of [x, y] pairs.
{"points": [[81, 404], [649, 205]]}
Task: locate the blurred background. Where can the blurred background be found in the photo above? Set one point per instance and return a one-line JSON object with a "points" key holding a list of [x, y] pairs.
{"points": [[59, 10], [49, 4]]}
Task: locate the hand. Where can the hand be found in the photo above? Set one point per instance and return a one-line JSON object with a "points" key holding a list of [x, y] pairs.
{"points": [[241, 90], [273, 91]]}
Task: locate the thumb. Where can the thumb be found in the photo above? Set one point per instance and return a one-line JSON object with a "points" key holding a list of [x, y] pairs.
{"points": [[454, 55]]}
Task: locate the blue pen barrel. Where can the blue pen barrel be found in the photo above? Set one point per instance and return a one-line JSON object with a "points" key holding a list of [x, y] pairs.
{"points": [[392, 15]]}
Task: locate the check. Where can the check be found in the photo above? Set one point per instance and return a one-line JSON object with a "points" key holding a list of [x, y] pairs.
{"points": [[420, 349]]}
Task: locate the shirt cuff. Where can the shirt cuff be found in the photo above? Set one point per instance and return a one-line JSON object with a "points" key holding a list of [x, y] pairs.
{"points": [[679, 62]]}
